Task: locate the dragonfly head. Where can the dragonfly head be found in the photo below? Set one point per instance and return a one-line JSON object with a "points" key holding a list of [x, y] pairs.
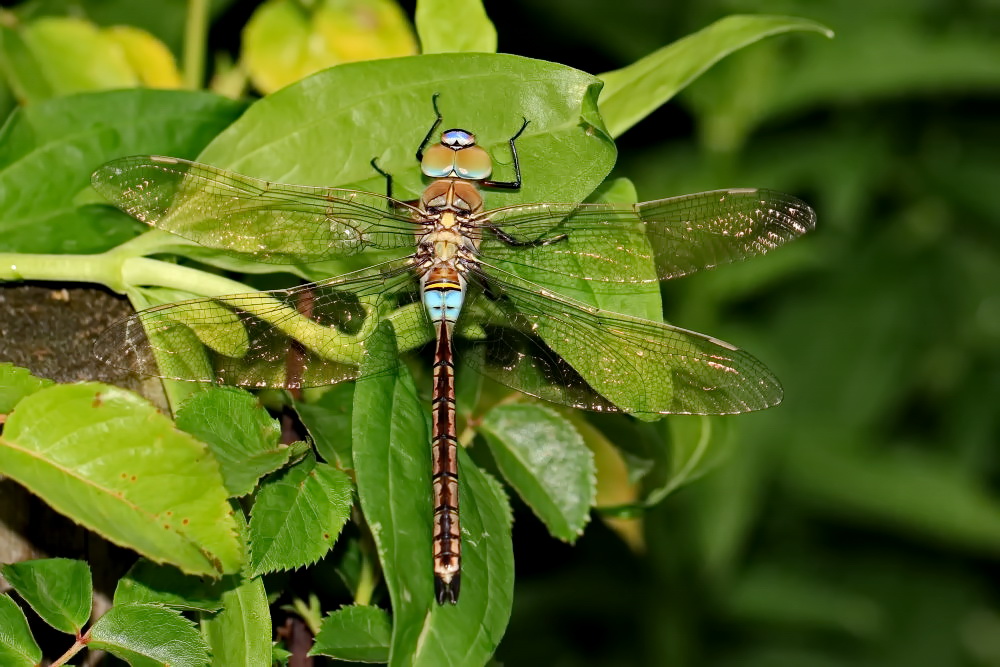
{"points": [[457, 156]]}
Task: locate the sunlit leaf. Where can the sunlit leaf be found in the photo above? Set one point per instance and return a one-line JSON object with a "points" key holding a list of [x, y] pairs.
{"points": [[286, 41], [114, 464]]}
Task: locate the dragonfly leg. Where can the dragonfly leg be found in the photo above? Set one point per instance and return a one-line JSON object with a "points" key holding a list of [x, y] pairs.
{"points": [[430, 132], [516, 183], [384, 174], [537, 243]]}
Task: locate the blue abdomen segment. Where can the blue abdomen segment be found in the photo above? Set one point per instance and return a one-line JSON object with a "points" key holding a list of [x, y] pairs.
{"points": [[443, 300]]}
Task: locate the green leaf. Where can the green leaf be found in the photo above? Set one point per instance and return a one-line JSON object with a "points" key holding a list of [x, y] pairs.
{"points": [[328, 420], [544, 458], [454, 26], [58, 589], [297, 516], [244, 438], [149, 635], [697, 444], [391, 452], [358, 634], [63, 140], [21, 68], [286, 136], [285, 41], [149, 583], [17, 647], [116, 465], [15, 384], [240, 634], [633, 92], [54, 47]]}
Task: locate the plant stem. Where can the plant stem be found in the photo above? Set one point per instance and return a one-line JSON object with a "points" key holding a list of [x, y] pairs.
{"points": [[366, 582], [195, 37], [77, 646], [61, 268]]}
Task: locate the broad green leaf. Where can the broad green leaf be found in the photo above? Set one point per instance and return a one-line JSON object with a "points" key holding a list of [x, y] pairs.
{"points": [[240, 634], [328, 420], [391, 452], [297, 516], [325, 129], [114, 464], [62, 141], [285, 40], [15, 384], [17, 647], [58, 589], [633, 92], [543, 457], [358, 634], [243, 437], [148, 635], [149, 583], [450, 26]]}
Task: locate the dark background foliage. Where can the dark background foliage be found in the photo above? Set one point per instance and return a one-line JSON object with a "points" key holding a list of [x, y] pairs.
{"points": [[857, 524]]}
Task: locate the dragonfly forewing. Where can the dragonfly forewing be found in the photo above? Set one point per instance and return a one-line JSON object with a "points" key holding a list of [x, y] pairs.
{"points": [[270, 222]]}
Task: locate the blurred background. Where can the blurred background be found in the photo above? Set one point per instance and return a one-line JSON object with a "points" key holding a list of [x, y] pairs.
{"points": [[859, 523]]}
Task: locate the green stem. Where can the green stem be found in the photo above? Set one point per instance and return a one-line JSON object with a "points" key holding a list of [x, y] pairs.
{"points": [[195, 37], [60, 268], [366, 582]]}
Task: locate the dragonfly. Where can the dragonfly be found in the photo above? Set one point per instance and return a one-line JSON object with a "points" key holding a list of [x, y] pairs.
{"points": [[457, 282]]}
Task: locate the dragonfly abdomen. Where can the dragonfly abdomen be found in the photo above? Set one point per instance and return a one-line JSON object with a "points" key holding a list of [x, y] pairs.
{"points": [[444, 443], [443, 293]]}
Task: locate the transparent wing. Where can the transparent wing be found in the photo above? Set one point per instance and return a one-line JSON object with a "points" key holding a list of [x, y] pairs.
{"points": [[618, 243], [310, 335], [563, 351], [273, 223]]}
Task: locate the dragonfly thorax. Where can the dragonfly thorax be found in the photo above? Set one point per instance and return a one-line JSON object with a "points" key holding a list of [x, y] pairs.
{"points": [[451, 194]]}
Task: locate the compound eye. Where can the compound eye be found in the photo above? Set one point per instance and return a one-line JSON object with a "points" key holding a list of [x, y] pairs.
{"points": [[473, 163], [438, 162]]}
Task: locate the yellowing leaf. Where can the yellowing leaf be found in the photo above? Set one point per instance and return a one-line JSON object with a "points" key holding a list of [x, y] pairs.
{"points": [[283, 42], [148, 57], [74, 56]]}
